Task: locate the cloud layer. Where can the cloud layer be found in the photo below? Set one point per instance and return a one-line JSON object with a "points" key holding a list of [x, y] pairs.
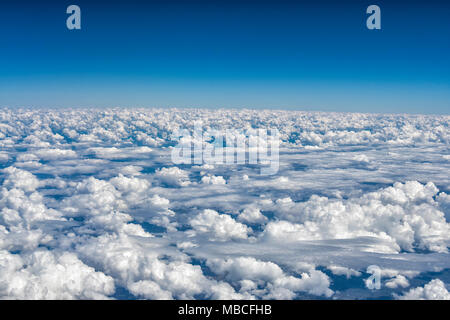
{"points": [[91, 206]]}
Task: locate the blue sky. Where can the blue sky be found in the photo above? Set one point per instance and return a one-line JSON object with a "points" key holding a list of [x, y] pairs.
{"points": [[255, 54]]}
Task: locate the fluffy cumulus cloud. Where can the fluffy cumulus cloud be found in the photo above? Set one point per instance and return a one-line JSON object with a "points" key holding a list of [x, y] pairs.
{"points": [[406, 214], [173, 176], [252, 215], [347, 272], [92, 207], [19, 179], [433, 290], [251, 275], [398, 281], [55, 154], [217, 226], [213, 180], [139, 267], [45, 275]]}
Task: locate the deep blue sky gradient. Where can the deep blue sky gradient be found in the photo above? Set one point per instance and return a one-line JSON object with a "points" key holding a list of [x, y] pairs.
{"points": [[315, 55]]}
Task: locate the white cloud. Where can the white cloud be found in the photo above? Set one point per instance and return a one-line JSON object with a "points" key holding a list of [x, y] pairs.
{"points": [[213, 180], [361, 158], [173, 176], [252, 215], [343, 271], [280, 286], [120, 153], [20, 179], [397, 281], [217, 226], [44, 275], [137, 266], [404, 214], [433, 290], [352, 191], [4, 157], [149, 290], [246, 268], [55, 154]]}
